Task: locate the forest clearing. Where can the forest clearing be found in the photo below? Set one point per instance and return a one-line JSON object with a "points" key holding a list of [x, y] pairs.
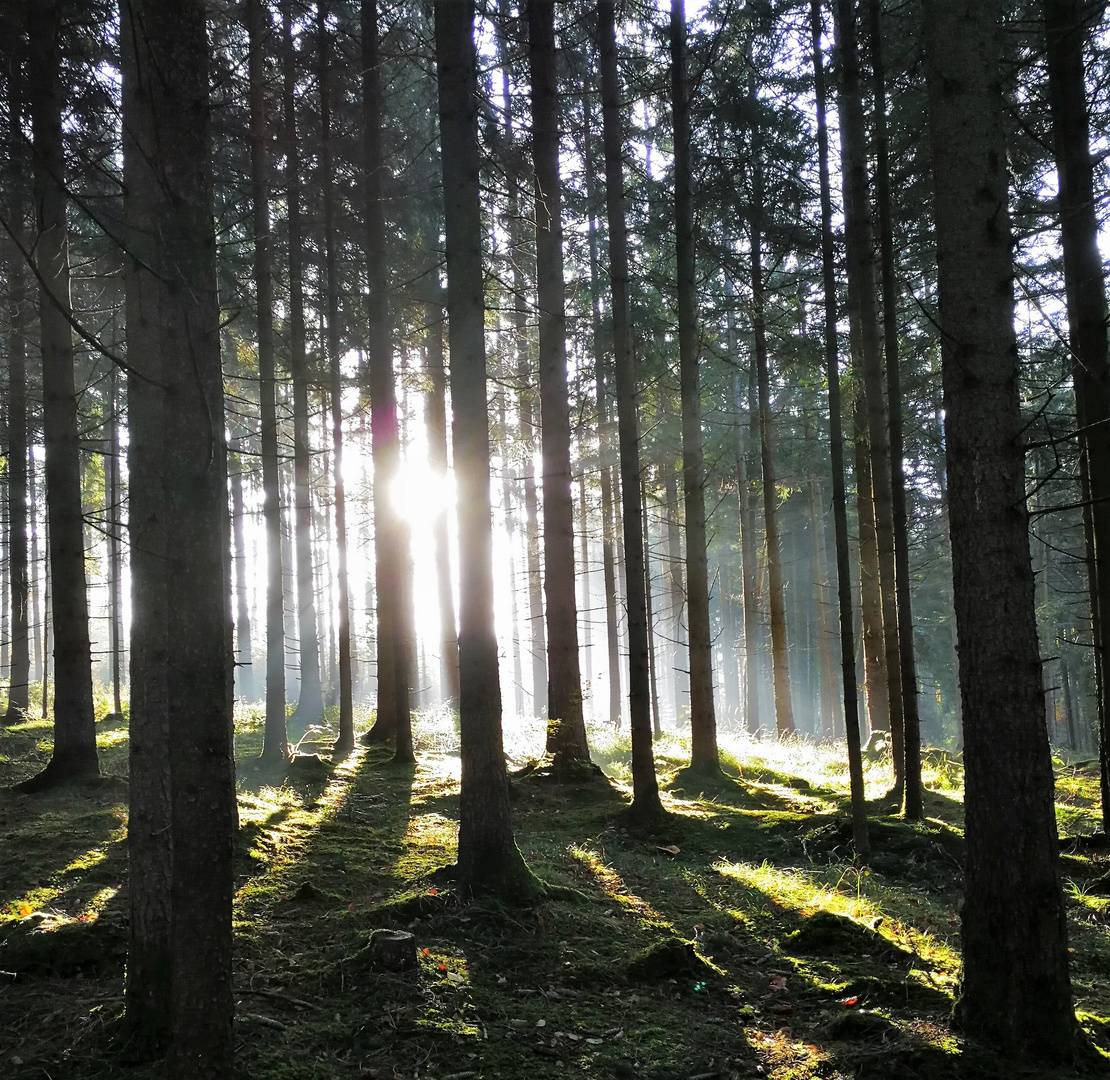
{"points": [[740, 939]]}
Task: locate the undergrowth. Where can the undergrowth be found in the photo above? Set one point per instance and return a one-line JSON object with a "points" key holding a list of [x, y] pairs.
{"points": [[740, 938]]}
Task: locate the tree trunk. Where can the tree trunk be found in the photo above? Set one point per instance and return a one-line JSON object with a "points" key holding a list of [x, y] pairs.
{"points": [[112, 526], [866, 353], [180, 567], [911, 720], [784, 708], [656, 726], [703, 722], [244, 645], [310, 699], [566, 731], [1015, 988], [676, 595], [74, 753], [345, 739], [836, 451], [871, 599], [19, 583], [275, 746], [488, 855], [1066, 30], [392, 556], [436, 424], [646, 805]]}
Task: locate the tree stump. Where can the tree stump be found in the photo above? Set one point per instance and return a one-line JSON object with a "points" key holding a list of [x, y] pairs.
{"points": [[393, 949]]}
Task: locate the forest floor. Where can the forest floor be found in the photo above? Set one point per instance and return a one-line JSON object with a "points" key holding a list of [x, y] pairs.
{"points": [[739, 940]]}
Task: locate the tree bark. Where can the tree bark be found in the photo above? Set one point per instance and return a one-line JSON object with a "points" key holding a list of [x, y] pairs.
{"points": [[566, 731], [860, 836], [393, 559], [310, 699], [866, 353], [646, 805], [488, 856], [19, 580], [1066, 30], [703, 722], [180, 566], [275, 746], [345, 739], [911, 720], [784, 708], [1015, 988], [74, 754]]}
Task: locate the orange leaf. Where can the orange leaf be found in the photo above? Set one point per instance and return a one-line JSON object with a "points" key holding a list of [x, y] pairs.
{"points": [[433, 892], [849, 1002], [425, 952], [351, 906], [442, 967]]}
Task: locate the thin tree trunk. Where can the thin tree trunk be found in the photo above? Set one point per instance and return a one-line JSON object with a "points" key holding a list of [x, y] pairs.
{"points": [[310, 699], [1015, 987], [860, 837], [566, 731], [436, 423], [74, 752], [392, 556], [646, 805], [656, 726], [488, 855], [822, 626], [1066, 30], [784, 708], [703, 721], [275, 746], [911, 719], [19, 675], [510, 535], [866, 351], [676, 595], [585, 606], [35, 625], [244, 645], [345, 739], [115, 560], [871, 600]]}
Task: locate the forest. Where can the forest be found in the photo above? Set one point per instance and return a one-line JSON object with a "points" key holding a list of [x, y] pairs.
{"points": [[554, 539]]}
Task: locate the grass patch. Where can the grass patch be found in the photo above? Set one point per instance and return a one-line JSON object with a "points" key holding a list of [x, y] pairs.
{"points": [[739, 940]]}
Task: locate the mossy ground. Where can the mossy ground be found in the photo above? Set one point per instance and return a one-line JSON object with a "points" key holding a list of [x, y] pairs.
{"points": [[739, 939]]}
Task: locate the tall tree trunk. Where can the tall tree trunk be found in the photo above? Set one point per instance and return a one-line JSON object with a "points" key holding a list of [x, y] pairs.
{"points": [[585, 607], [836, 452], [392, 557], [871, 598], [180, 566], [275, 745], [74, 722], [1015, 989], [646, 805], [911, 719], [822, 624], [866, 352], [435, 420], [604, 438], [244, 645], [35, 625], [19, 675], [784, 708], [345, 738], [115, 560], [507, 494], [656, 725], [747, 530], [566, 731], [488, 856], [703, 721], [1066, 30], [676, 596], [310, 699]]}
